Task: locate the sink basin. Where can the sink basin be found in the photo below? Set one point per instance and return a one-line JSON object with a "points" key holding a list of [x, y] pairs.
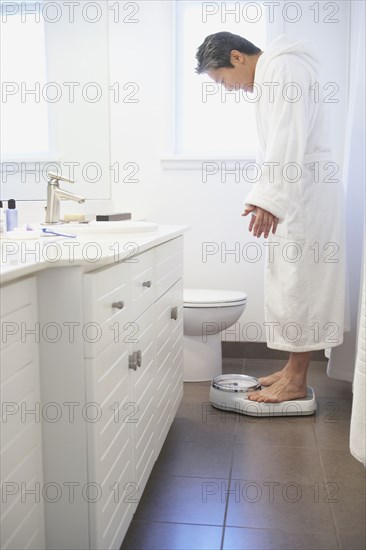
{"points": [[104, 227]]}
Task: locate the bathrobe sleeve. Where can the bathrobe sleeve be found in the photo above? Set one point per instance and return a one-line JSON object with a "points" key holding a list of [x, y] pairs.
{"points": [[284, 126]]}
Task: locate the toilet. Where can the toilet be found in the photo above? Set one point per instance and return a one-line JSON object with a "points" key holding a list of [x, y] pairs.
{"points": [[207, 312]]}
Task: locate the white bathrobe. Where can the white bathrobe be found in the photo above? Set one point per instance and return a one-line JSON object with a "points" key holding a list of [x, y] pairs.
{"points": [[299, 183]]}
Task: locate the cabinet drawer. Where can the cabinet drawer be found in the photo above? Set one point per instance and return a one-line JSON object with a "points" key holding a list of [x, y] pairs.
{"points": [[103, 288], [107, 306], [142, 282], [168, 265]]}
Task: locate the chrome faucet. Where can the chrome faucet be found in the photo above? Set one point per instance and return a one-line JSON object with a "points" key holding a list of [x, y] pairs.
{"points": [[55, 194]]}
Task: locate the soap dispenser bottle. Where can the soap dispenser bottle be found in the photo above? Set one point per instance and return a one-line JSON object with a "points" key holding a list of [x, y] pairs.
{"points": [[11, 215]]}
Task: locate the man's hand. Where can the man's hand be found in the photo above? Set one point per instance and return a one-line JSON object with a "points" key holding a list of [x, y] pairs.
{"points": [[262, 222]]}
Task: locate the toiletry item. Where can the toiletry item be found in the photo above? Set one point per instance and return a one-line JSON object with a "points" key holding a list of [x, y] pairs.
{"points": [[2, 220], [47, 231], [11, 215], [113, 217], [75, 218]]}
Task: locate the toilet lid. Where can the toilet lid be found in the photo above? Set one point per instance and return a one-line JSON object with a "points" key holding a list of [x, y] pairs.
{"points": [[210, 297]]}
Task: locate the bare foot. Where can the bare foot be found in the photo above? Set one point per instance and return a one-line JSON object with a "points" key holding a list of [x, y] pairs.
{"points": [[269, 380], [284, 389]]}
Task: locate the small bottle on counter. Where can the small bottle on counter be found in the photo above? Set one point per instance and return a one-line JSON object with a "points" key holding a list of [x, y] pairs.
{"points": [[2, 219], [11, 215]]}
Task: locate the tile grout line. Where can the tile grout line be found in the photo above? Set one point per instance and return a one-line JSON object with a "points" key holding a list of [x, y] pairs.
{"points": [[227, 500], [326, 481], [229, 480]]}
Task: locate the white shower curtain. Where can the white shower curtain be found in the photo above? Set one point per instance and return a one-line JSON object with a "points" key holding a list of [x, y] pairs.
{"points": [[342, 358], [347, 362], [358, 418]]}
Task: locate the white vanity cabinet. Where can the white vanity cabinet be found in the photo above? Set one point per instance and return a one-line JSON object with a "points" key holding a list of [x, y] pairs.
{"points": [[133, 374], [91, 379], [22, 512], [123, 372]]}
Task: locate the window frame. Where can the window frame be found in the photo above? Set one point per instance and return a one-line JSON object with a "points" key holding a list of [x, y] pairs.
{"points": [[179, 161]]}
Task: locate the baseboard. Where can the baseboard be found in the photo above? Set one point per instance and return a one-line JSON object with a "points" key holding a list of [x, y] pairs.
{"points": [[259, 350]]}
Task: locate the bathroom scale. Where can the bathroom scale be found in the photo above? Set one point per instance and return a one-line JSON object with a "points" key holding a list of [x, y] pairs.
{"points": [[229, 392]]}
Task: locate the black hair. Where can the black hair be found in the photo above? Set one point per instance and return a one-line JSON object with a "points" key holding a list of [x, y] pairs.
{"points": [[215, 50]]}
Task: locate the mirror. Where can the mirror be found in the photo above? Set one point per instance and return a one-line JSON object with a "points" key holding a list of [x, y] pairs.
{"points": [[55, 102]]}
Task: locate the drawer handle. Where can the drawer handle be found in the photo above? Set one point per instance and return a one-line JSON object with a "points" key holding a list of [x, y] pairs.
{"points": [[174, 313], [139, 358], [147, 283], [132, 361], [118, 305]]}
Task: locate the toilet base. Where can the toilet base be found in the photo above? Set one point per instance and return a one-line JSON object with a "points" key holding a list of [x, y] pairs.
{"points": [[202, 360]]}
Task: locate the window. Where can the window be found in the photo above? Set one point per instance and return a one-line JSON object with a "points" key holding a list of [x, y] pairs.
{"points": [[24, 112], [210, 120]]}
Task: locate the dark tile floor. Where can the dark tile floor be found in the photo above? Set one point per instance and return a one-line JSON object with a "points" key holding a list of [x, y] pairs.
{"points": [[226, 481]]}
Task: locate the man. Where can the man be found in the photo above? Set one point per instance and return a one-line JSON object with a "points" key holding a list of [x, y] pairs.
{"points": [[297, 202]]}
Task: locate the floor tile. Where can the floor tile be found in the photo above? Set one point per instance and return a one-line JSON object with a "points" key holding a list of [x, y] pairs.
{"points": [[342, 468], [200, 421], [196, 391], [332, 410], [265, 539], [292, 431], [290, 507], [236, 538], [333, 435], [233, 368], [349, 511], [353, 541], [237, 361], [194, 458], [183, 500], [279, 464], [324, 386], [321, 485], [171, 536]]}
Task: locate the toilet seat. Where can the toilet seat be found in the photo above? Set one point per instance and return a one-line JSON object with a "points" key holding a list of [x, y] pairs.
{"points": [[210, 297]]}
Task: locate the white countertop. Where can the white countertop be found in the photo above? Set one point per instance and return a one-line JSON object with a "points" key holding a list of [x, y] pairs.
{"points": [[19, 258]]}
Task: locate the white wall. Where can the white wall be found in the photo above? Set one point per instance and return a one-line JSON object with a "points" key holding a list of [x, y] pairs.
{"points": [[142, 133]]}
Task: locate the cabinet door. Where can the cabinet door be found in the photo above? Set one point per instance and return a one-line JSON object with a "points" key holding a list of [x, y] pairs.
{"points": [[163, 398], [109, 445], [22, 510], [108, 397], [177, 347], [169, 359], [142, 381]]}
